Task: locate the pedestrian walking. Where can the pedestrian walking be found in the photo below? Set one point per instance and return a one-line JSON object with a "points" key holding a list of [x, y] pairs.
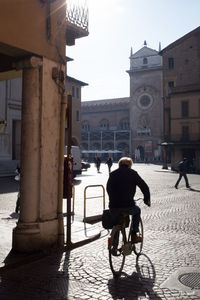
{"points": [[182, 169], [97, 161], [109, 163]]}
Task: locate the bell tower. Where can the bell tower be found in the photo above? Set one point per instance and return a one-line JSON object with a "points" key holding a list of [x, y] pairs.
{"points": [[146, 103]]}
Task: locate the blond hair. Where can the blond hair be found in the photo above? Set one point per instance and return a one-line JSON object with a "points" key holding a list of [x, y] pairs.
{"points": [[125, 161]]}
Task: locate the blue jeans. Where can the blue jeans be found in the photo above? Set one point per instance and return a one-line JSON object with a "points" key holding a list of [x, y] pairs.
{"points": [[134, 211]]}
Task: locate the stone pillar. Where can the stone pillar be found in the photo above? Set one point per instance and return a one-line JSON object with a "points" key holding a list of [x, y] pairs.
{"points": [[30, 145], [37, 227]]}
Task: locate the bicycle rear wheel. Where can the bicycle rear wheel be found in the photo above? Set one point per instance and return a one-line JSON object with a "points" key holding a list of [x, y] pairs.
{"points": [[116, 256], [137, 248]]}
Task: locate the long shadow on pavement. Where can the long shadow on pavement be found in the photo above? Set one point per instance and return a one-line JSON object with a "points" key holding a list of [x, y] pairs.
{"points": [[194, 190], [42, 279], [138, 284]]}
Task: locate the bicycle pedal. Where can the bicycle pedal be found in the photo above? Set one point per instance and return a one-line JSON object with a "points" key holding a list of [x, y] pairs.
{"points": [[127, 249]]}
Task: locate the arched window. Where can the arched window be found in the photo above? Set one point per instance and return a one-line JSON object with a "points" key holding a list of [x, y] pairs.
{"points": [[85, 125], [145, 61], [104, 124], [124, 124]]}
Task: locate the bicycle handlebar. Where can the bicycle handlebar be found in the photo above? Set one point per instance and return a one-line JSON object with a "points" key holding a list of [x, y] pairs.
{"points": [[148, 203]]}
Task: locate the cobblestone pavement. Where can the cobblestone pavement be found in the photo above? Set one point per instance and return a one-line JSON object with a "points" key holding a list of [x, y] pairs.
{"points": [[172, 244]]}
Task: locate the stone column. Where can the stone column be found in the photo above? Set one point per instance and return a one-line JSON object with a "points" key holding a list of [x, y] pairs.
{"points": [[30, 154], [30, 145], [37, 227]]}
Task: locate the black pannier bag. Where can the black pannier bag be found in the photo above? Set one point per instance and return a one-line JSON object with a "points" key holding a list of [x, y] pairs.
{"points": [[107, 221]]}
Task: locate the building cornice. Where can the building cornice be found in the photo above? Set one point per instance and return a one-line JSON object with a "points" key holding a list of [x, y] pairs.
{"points": [[106, 102], [74, 80], [179, 41]]}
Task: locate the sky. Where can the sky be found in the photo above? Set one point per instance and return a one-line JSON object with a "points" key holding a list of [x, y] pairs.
{"points": [[102, 58]]}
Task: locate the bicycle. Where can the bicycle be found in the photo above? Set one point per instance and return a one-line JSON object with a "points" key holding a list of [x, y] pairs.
{"points": [[120, 245]]}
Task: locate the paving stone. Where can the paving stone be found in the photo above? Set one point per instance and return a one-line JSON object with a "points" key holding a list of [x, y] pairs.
{"points": [[172, 227]]}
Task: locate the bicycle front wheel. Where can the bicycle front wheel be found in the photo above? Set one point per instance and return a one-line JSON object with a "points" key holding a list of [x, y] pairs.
{"points": [[137, 248], [116, 256]]}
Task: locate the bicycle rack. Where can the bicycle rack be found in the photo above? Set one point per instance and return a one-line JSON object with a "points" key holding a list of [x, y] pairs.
{"points": [[73, 198], [96, 218]]}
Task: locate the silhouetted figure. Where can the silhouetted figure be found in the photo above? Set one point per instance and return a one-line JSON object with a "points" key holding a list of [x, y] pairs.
{"points": [[121, 189], [109, 163], [98, 163], [182, 168]]}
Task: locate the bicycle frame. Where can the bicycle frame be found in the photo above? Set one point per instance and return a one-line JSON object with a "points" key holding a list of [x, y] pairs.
{"points": [[119, 245]]}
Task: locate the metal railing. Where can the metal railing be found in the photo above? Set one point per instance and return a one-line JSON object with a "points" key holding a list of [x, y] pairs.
{"points": [[96, 218], [77, 14]]}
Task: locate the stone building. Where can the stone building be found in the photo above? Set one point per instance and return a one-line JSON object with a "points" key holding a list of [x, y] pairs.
{"points": [[146, 107], [74, 87], [181, 93], [133, 125], [105, 128]]}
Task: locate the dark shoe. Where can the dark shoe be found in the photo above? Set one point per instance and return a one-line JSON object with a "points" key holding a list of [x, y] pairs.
{"points": [[176, 187], [115, 252], [135, 238], [188, 186]]}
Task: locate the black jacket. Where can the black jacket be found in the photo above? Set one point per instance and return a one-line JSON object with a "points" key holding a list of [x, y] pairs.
{"points": [[121, 187], [183, 166]]}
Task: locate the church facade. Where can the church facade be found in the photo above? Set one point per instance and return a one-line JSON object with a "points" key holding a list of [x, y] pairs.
{"points": [[133, 125]]}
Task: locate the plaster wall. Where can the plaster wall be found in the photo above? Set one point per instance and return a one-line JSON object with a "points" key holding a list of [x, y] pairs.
{"points": [[50, 141], [44, 21]]}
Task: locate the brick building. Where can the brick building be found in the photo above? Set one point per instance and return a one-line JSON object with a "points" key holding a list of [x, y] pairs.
{"points": [[181, 94]]}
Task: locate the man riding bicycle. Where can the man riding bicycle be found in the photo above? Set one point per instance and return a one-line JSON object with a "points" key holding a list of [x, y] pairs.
{"points": [[121, 189]]}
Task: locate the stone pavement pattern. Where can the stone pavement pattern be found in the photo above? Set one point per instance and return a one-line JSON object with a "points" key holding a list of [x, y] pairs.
{"points": [[172, 242]]}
